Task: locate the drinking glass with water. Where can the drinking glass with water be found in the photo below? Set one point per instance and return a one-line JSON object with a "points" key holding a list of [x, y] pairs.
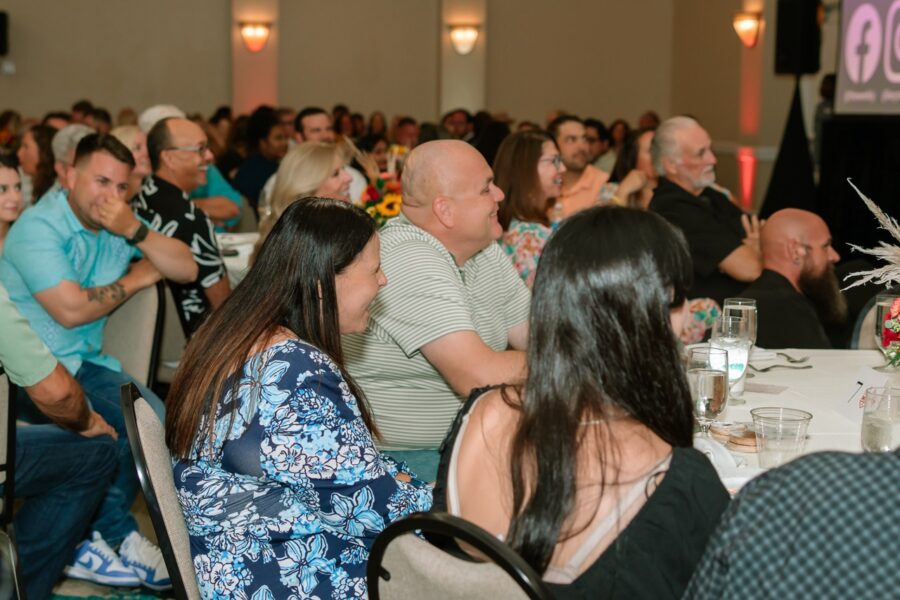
{"points": [[732, 334], [881, 419], [742, 307], [707, 370]]}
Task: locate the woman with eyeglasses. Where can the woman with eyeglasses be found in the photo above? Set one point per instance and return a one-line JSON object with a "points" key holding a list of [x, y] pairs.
{"points": [[529, 170]]}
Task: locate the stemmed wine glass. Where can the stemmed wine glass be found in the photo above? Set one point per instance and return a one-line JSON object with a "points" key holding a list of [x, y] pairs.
{"points": [[887, 325], [707, 371], [733, 334]]}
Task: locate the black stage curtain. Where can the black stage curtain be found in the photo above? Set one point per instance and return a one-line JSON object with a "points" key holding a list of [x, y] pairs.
{"points": [[792, 184], [867, 150]]}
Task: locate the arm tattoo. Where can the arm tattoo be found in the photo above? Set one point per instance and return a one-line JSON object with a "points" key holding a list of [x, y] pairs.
{"points": [[113, 292]]}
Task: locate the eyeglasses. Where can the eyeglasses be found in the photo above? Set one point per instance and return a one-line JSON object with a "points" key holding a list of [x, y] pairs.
{"points": [[556, 161], [200, 149]]}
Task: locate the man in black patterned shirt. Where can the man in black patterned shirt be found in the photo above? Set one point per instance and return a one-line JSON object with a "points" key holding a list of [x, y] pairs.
{"points": [[179, 154]]}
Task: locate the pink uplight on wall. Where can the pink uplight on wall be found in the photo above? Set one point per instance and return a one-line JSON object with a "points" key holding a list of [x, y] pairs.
{"points": [[746, 158]]}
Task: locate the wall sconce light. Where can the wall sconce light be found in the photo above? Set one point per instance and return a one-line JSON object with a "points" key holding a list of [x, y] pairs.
{"points": [[255, 35], [463, 38], [746, 26]]}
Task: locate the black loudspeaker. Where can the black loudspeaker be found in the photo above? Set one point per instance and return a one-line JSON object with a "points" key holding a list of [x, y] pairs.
{"points": [[4, 33], [799, 37]]}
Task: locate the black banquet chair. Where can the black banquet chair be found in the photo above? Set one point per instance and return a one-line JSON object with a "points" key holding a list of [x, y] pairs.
{"points": [[403, 565]]}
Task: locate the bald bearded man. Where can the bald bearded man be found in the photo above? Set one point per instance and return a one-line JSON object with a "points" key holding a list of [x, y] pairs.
{"points": [[454, 314], [798, 290]]}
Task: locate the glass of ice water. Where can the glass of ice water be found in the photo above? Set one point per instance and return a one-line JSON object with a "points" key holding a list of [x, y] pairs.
{"points": [[881, 419], [742, 307], [732, 334], [707, 371]]}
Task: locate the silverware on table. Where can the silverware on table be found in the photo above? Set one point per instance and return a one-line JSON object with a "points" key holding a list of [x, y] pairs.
{"points": [[791, 359], [770, 367]]}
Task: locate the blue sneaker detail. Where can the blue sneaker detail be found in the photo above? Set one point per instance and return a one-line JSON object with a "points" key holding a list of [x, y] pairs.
{"points": [[95, 561], [146, 560]]}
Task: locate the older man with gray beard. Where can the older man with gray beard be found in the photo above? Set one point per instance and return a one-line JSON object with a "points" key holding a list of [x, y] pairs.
{"points": [[724, 242]]}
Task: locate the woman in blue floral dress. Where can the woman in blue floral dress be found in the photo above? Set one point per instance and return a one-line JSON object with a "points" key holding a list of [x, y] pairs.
{"points": [[281, 485], [529, 170]]}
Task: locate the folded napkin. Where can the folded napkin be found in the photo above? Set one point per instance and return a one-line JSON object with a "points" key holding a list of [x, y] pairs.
{"points": [[760, 354], [732, 470]]}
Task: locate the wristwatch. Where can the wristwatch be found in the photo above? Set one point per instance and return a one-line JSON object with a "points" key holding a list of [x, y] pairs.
{"points": [[139, 236]]}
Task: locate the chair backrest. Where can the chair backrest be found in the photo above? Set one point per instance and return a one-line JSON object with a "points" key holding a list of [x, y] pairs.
{"points": [[863, 337], [402, 565], [154, 467], [133, 331], [7, 446], [173, 340]]}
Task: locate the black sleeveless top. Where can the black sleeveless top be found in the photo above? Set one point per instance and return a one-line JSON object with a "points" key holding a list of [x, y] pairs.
{"points": [[657, 552]]}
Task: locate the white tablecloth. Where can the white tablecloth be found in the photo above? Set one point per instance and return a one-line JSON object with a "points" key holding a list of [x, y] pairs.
{"points": [[824, 390], [237, 265]]}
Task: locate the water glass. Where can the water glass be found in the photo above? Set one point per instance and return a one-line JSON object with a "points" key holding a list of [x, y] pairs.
{"points": [[707, 371], [780, 434], [742, 307], [881, 419], [732, 334]]}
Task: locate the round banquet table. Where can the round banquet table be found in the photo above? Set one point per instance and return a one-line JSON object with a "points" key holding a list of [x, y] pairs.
{"points": [[829, 390]]}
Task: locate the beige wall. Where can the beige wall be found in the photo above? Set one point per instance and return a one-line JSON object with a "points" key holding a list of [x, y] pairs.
{"points": [[370, 54], [706, 65], [122, 53], [603, 58]]}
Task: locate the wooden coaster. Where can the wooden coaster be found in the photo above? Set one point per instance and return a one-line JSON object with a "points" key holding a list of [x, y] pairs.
{"points": [[743, 442], [721, 432]]}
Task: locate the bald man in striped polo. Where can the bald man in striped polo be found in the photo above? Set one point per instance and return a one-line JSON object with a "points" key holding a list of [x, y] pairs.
{"points": [[454, 314]]}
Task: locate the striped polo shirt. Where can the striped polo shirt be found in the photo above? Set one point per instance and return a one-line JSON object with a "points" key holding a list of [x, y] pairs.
{"points": [[427, 297]]}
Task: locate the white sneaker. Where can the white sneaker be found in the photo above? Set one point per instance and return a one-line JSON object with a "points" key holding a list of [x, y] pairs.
{"points": [[146, 560], [95, 561]]}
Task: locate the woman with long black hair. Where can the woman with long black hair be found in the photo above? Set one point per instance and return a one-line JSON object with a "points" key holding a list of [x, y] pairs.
{"points": [[587, 469], [281, 485]]}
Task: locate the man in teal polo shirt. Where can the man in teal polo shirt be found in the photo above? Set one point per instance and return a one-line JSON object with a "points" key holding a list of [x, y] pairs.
{"points": [[66, 266]]}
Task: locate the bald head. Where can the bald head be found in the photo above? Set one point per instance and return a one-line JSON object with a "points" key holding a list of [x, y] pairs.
{"points": [[438, 168], [449, 191], [790, 224], [795, 241]]}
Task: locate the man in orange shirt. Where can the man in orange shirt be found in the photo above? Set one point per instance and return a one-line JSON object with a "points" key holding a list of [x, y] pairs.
{"points": [[581, 180]]}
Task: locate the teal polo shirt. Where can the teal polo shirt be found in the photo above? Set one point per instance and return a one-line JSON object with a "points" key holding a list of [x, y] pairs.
{"points": [[217, 185], [46, 245]]}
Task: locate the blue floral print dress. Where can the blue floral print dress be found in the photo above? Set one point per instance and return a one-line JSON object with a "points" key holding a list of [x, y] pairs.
{"points": [[287, 500]]}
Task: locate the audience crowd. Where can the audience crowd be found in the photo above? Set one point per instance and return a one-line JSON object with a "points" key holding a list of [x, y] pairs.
{"points": [[447, 315]]}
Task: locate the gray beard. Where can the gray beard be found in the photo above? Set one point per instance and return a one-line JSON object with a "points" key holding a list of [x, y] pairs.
{"points": [[824, 291]]}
